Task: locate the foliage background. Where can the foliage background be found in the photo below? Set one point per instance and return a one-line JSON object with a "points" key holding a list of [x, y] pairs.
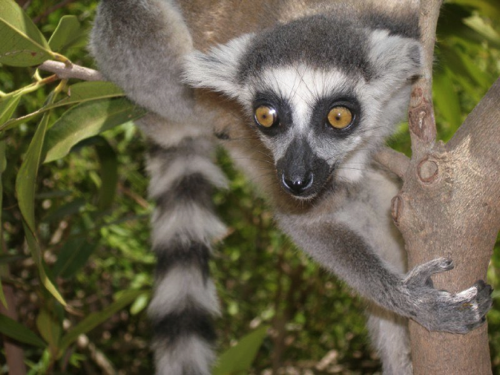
{"points": [[93, 226]]}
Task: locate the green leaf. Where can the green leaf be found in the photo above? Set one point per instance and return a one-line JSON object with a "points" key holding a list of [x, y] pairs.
{"points": [[36, 254], [26, 177], [486, 7], [73, 256], [478, 75], [80, 92], [3, 165], [140, 303], [19, 332], [21, 43], [49, 328], [87, 120], [65, 210], [485, 30], [446, 99], [7, 107], [109, 174], [25, 190], [66, 32], [461, 66], [6, 259], [453, 25], [86, 91], [95, 319], [239, 358]]}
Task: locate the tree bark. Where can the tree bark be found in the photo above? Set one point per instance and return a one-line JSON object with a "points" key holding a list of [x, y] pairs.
{"points": [[449, 206]]}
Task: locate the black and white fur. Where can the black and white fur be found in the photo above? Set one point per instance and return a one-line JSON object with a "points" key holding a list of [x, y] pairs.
{"points": [[302, 63]]}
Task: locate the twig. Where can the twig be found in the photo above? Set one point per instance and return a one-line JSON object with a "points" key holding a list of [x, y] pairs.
{"points": [[97, 356], [22, 3], [74, 71], [14, 353], [137, 198], [27, 4]]}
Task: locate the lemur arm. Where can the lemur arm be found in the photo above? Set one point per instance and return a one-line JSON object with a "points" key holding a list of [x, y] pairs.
{"points": [[140, 46], [348, 256]]}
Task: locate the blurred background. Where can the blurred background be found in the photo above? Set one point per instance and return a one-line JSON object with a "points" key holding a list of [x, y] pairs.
{"points": [[92, 219]]}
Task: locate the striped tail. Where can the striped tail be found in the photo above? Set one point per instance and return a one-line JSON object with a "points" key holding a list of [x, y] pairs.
{"points": [[184, 226]]}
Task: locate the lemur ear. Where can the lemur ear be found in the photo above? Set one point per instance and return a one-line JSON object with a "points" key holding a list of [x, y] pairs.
{"points": [[217, 69], [396, 59]]}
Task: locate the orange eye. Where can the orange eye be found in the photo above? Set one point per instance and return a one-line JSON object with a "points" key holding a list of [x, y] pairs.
{"points": [[266, 116], [340, 117]]}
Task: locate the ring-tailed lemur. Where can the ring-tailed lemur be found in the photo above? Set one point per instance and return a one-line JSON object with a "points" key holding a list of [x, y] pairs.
{"points": [[302, 94]]}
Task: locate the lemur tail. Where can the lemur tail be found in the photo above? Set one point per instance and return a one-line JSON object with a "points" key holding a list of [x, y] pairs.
{"points": [[130, 37], [184, 225]]}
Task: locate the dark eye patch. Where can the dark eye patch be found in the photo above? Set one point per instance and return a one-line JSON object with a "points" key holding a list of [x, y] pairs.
{"points": [[282, 108], [319, 118]]}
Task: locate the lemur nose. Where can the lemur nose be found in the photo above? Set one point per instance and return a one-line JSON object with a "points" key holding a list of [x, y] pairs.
{"points": [[297, 184]]}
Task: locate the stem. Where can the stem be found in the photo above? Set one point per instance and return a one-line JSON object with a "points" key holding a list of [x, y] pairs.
{"points": [[32, 87]]}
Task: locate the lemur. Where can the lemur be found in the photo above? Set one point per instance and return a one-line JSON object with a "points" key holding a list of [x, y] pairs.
{"points": [[302, 94]]}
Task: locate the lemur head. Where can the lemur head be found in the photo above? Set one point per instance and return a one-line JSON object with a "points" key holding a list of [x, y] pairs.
{"points": [[321, 92]]}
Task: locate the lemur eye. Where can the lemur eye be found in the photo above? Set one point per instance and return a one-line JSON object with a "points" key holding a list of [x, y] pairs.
{"points": [[266, 116], [340, 117]]}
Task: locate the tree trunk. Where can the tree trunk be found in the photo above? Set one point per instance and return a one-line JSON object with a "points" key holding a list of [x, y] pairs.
{"points": [[449, 206]]}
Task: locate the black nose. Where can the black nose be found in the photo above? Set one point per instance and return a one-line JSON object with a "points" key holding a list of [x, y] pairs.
{"points": [[297, 184]]}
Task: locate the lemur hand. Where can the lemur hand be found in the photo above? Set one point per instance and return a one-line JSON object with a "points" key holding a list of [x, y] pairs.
{"points": [[439, 310]]}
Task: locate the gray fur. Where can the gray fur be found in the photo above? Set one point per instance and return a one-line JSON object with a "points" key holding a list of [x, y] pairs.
{"points": [[320, 42], [362, 59], [184, 226], [337, 245], [124, 42]]}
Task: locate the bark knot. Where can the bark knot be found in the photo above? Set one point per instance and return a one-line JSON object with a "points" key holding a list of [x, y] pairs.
{"points": [[421, 116], [428, 171]]}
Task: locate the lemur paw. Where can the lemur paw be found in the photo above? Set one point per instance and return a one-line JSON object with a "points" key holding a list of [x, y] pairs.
{"points": [[421, 275], [439, 310]]}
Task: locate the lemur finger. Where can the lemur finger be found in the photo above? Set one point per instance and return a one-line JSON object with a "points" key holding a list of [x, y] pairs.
{"points": [[483, 291], [420, 275], [475, 325], [480, 284], [467, 295], [484, 299]]}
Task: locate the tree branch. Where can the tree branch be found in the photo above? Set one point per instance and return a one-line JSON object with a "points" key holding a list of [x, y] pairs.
{"points": [[421, 113], [449, 206], [393, 160], [74, 71]]}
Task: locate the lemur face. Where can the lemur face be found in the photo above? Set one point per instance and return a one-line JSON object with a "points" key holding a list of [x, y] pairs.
{"points": [[321, 105], [310, 120]]}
